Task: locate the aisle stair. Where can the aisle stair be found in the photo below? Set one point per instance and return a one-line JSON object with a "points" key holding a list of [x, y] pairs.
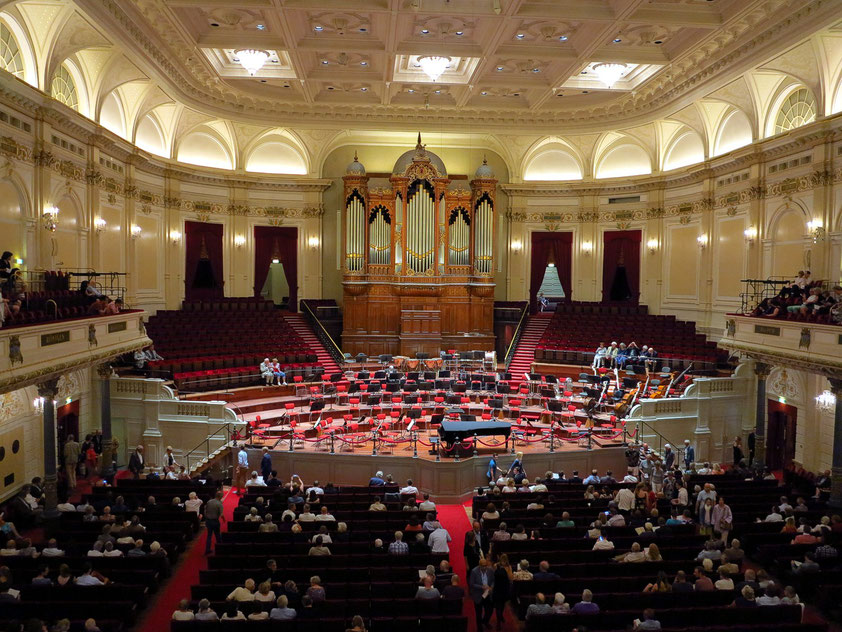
{"points": [[524, 354], [300, 325]]}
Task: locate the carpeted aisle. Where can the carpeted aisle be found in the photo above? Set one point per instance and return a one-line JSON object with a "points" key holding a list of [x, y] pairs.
{"points": [[156, 617]]}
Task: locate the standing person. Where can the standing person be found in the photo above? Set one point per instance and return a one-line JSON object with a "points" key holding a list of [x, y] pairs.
{"points": [[738, 450], [241, 472], [751, 444], [481, 583], [517, 463], [214, 514], [669, 457], [5, 265], [689, 454], [723, 519], [169, 459], [72, 450], [501, 590], [491, 472], [136, 462], [266, 464]]}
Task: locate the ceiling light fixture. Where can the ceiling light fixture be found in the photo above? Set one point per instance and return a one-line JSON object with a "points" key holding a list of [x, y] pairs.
{"points": [[318, 28], [363, 63], [460, 33], [433, 65], [617, 40], [261, 27], [252, 60], [499, 68], [425, 31], [562, 38], [520, 35], [609, 73]]}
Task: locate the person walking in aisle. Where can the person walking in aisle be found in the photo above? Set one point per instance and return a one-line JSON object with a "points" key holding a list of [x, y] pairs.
{"points": [[214, 515], [241, 472], [71, 460]]}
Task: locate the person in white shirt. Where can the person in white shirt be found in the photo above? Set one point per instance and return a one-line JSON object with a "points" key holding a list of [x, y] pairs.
{"points": [[603, 544], [315, 489], [438, 540], [110, 551], [305, 515], [87, 578], [52, 550], [266, 372], [255, 480], [625, 499], [193, 503], [96, 550], [184, 613], [774, 516], [409, 488], [66, 507], [427, 504], [324, 516]]}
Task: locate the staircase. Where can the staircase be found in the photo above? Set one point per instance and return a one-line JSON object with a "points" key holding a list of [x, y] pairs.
{"points": [[524, 354], [303, 329]]}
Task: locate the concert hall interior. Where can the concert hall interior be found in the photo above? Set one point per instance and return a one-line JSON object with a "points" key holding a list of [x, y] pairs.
{"points": [[283, 279]]}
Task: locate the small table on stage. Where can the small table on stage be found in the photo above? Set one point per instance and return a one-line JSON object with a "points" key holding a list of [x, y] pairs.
{"points": [[452, 432]]}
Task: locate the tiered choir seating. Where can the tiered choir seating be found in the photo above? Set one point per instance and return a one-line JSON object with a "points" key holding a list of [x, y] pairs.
{"points": [[219, 344], [357, 579], [116, 605], [577, 329]]}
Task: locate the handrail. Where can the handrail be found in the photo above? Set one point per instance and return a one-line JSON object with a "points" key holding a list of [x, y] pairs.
{"points": [[662, 440], [206, 442], [516, 338], [324, 335], [55, 308]]}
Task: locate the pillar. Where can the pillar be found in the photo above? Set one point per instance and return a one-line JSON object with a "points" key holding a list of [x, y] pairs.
{"points": [[836, 469], [762, 370], [48, 391], [108, 447]]}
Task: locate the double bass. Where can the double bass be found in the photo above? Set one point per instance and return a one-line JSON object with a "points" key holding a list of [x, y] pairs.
{"points": [[664, 390], [630, 399]]}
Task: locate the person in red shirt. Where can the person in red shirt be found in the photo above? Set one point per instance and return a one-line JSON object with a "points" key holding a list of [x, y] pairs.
{"points": [[703, 582]]}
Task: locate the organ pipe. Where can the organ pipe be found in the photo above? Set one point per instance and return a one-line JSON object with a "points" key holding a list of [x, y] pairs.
{"points": [[380, 236], [483, 236], [355, 233]]}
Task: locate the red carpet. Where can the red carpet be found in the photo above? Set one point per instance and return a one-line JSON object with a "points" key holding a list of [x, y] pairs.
{"points": [[156, 617]]}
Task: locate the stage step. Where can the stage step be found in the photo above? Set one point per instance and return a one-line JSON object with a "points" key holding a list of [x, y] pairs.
{"points": [[524, 354], [300, 325]]}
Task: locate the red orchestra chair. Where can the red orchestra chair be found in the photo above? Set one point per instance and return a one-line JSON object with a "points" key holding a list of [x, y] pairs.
{"points": [[569, 416]]}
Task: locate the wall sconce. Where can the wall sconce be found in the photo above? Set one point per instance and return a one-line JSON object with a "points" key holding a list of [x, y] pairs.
{"points": [[239, 241], [175, 236], [135, 231], [816, 230], [517, 245], [702, 240], [38, 405], [99, 225], [50, 218], [313, 242], [826, 401], [750, 234], [587, 247], [652, 245]]}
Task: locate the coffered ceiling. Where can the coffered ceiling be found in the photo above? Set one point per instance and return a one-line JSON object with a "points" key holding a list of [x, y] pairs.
{"points": [[511, 60]]}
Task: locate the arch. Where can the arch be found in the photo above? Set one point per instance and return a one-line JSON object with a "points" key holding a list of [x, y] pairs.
{"points": [[685, 149], [149, 136], [552, 160], [794, 106], [204, 147], [836, 102], [29, 69], [624, 157], [275, 153], [789, 244], [112, 115], [12, 211], [68, 86], [734, 131]]}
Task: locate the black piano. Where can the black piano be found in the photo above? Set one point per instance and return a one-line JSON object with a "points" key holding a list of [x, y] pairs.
{"points": [[452, 432]]}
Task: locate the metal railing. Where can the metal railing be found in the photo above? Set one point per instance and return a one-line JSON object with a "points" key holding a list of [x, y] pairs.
{"points": [[662, 440], [516, 338], [322, 334], [223, 433]]}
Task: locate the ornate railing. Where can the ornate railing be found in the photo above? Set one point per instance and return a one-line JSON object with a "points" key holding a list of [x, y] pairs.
{"points": [[518, 332], [322, 334]]}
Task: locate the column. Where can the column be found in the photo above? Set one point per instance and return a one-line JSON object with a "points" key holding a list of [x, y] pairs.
{"points": [[105, 372], [762, 370], [48, 391], [836, 470]]}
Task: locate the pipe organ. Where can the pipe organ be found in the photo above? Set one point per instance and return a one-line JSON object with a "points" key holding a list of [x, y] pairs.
{"points": [[418, 261]]}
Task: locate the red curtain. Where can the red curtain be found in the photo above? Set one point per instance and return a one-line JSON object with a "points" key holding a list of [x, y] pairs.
{"points": [[280, 242], [621, 247], [560, 246], [203, 240]]}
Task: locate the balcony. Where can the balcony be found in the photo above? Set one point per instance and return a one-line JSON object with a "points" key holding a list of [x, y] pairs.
{"points": [[35, 353], [810, 346]]}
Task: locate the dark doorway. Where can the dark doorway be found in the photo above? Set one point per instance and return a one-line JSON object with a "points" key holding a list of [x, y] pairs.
{"points": [[67, 423], [621, 266], [203, 261], [780, 436]]}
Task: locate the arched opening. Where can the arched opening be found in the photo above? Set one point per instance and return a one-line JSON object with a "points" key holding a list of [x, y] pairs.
{"points": [[205, 150], [794, 108], [274, 156], [111, 115], [625, 159], [150, 137], [685, 150], [734, 131], [553, 163]]}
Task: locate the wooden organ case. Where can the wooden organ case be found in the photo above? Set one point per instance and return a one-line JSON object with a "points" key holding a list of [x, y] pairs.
{"points": [[418, 273]]}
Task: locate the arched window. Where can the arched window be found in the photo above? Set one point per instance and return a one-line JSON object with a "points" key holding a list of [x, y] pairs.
{"points": [[11, 59], [798, 109], [63, 88]]}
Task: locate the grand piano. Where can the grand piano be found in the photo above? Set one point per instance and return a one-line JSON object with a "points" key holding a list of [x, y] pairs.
{"points": [[451, 432]]}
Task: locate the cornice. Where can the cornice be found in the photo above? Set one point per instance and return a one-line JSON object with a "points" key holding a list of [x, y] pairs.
{"points": [[741, 44], [787, 359]]}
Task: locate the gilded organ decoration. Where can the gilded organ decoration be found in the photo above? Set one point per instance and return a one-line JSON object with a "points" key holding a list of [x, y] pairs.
{"points": [[412, 240]]}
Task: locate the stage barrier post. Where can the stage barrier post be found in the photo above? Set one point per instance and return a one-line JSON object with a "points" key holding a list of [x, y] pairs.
{"points": [[291, 438], [414, 444], [475, 444], [625, 435], [590, 440], [374, 443], [513, 442], [438, 452], [331, 442], [456, 451], [552, 439]]}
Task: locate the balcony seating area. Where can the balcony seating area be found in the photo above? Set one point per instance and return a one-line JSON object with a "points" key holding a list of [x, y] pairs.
{"points": [[357, 579], [133, 579], [576, 329], [220, 344]]}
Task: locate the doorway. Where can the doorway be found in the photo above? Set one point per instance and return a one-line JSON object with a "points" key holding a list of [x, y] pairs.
{"points": [[780, 434], [67, 423]]}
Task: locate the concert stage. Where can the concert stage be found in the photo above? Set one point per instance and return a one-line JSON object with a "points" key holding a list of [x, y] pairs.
{"points": [[447, 480]]}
